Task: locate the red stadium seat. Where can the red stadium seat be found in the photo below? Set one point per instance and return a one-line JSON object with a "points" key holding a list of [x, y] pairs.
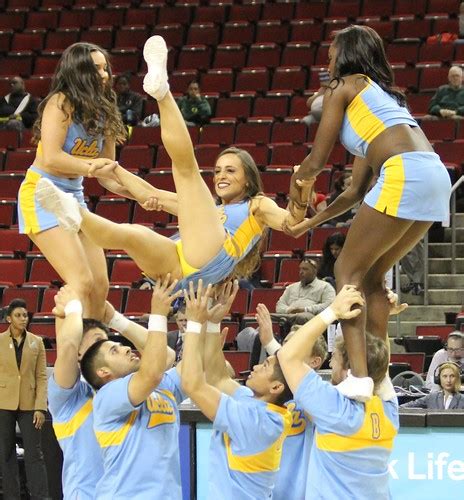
{"points": [[258, 131], [240, 361], [289, 271], [194, 57], [12, 271], [415, 359], [7, 211], [76, 18], [289, 78], [19, 159], [259, 152], [29, 295], [114, 209], [308, 10], [125, 60], [403, 51], [14, 20], [218, 133], [203, 33], [252, 80], [141, 16], [266, 296], [241, 32], [439, 130], [378, 8], [130, 36], [179, 80], [450, 152], [268, 268], [264, 54], [288, 154], [210, 13], [229, 55], [435, 330], [320, 234], [50, 356], [125, 271], [440, 52], [142, 216], [138, 301], [10, 239], [445, 6], [206, 154], [42, 272], [275, 106], [306, 30], [9, 183], [407, 78], [298, 54], [414, 28], [137, 157], [276, 180], [271, 31], [281, 241], [109, 16], [237, 105], [28, 41], [247, 12], [217, 80], [343, 8], [416, 7], [289, 131], [46, 330], [48, 300], [99, 35], [175, 14]]}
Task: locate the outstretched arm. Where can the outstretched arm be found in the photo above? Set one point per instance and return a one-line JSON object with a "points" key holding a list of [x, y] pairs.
{"points": [[132, 331], [215, 363], [68, 324], [292, 355], [153, 363], [194, 384]]}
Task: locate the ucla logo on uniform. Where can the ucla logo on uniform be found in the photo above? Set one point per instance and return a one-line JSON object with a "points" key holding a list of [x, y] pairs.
{"points": [[161, 410], [298, 420], [81, 148]]}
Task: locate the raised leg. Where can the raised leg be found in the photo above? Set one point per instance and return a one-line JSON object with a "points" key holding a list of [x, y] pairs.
{"points": [[201, 230]]}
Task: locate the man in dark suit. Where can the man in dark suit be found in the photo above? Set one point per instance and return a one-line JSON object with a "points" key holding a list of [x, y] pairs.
{"points": [[176, 337], [23, 399]]}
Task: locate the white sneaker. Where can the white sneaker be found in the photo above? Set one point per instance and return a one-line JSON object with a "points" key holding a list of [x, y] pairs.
{"points": [[385, 389], [63, 205], [358, 388], [155, 54]]}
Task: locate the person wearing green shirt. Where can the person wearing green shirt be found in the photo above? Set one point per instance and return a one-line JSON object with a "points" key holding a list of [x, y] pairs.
{"points": [[194, 107], [448, 101]]}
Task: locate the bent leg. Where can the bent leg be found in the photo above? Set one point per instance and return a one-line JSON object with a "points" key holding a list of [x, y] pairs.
{"points": [[65, 252], [371, 235], [156, 255], [377, 306], [201, 230]]}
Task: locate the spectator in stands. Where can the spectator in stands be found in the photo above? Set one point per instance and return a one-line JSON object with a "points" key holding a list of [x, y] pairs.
{"points": [[176, 337], [448, 100], [447, 397], [413, 265], [248, 422], [339, 467], [18, 109], [137, 394], [303, 300], [314, 102], [130, 103], [78, 127], [194, 107], [332, 247], [453, 351], [23, 399], [296, 448]]}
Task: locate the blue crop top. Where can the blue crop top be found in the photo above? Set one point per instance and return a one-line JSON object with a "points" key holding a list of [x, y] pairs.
{"points": [[371, 112], [79, 143]]}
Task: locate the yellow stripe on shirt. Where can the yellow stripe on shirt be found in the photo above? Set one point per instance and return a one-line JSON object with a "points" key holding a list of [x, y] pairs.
{"points": [[264, 461], [376, 431], [236, 245], [364, 123], [393, 185], [115, 438], [64, 430]]}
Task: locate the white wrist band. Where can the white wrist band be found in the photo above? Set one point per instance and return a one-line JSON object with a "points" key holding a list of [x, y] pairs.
{"points": [[157, 323], [119, 322], [328, 316], [73, 306], [193, 327], [272, 347], [213, 327]]}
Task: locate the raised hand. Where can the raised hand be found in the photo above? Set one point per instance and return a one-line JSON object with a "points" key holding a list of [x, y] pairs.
{"points": [[263, 317], [65, 295], [162, 296], [348, 297], [196, 304], [224, 297]]}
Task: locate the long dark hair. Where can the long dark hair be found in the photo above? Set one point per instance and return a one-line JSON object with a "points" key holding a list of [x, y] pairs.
{"points": [[327, 262], [87, 101], [360, 50]]}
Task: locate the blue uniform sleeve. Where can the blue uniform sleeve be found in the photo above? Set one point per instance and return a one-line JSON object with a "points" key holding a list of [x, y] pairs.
{"points": [[247, 421], [329, 410], [112, 400], [171, 382], [60, 399]]}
